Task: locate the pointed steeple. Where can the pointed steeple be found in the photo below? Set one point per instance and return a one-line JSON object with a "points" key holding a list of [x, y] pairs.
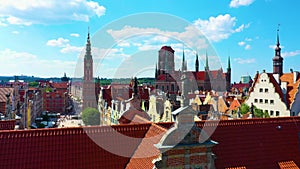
{"points": [[229, 67], [88, 53], [197, 63], [277, 59], [206, 62], [183, 66], [156, 71]]}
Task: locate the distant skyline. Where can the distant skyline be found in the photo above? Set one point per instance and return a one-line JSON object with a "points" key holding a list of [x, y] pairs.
{"points": [[47, 38]]}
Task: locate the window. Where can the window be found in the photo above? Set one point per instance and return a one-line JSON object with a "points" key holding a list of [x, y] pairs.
{"points": [[266, 101], [271, 113], [260, 100], [277, 113], [266, 90], [167, 88], [260, 90], [271, 101], [172, 87], [255, 100], [163, 88]]}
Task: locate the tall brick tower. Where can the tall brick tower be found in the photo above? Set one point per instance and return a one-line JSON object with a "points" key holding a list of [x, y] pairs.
{"points": [[88, 87]]}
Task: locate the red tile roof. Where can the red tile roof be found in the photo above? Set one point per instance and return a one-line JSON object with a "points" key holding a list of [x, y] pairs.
{"points": [[146, 152], [60, 85], [7, 124], [129, 115], [288, 165], [4, 91], [236, 167], [168, 48], [71, 147], [234, 105], [199, 75], [251, 143], [292, 88]]}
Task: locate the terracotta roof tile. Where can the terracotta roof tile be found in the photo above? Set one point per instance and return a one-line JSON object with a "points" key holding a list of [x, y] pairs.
{"points": [[234, 105], [292, 88], [71, 147], [236, 167], [253, 143], [288, 165], [146, 152], [4, 91]]}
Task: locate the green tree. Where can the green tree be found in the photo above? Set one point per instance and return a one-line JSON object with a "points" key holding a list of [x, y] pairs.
{"points": [[33, 84], [91, 116], [260, 113], [244, 108]]}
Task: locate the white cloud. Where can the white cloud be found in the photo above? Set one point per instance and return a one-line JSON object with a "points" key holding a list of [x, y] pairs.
{"points": [[147, 38], [27, 64], [124, 44], [242, 43], [290, 54], [17, 21], [59, 42], [238, 3], [70, 49], [28, 12], [74, 35], [15, 32], [248, 39], [244, 61], [220, 27], [247, 47]]}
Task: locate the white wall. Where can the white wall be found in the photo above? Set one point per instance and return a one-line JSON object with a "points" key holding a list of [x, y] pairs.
{"points": [[265, 90]]}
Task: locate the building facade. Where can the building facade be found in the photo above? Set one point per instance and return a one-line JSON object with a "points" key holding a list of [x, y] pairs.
{"points": [[276, 93], [88, 86], [167, 79]]}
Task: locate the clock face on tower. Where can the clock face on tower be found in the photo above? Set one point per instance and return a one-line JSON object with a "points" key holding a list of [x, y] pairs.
{"points": [[88, 64]]}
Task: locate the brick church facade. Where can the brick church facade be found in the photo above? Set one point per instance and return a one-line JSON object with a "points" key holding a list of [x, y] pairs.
{"points": [[167, 78]]}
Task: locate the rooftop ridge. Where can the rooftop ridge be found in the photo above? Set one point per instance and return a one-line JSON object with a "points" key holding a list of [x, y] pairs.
{"points": [[73, 130], [239, 122]]}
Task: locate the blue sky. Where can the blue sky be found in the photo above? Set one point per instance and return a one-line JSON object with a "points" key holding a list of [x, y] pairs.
{"points": [[46, 38]]}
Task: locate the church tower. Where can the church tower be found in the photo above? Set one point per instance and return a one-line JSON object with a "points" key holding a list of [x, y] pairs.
{"points": [[88, 87], [277, 59]]}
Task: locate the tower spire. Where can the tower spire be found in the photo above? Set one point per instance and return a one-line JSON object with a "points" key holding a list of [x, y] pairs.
{"points": [[277, 59], [197, 63], [229, 67], [278, 43], [88, 54], [206, 62], [183, 66]]}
